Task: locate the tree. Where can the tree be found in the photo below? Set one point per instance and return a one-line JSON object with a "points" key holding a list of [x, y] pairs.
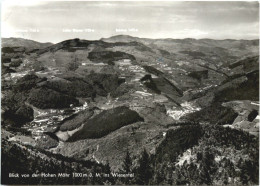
{"points": [[73, 65], [225, 180], [107, 170], [244, 176], [207, 167], [144, 171], [127, 167], [127, 164]]}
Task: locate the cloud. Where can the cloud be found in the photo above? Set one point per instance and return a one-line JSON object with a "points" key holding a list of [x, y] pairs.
{"points": [[22, 3], [155, 19]]}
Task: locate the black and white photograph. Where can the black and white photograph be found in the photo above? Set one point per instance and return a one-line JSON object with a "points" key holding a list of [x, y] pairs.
{"points": [[129, 92]]}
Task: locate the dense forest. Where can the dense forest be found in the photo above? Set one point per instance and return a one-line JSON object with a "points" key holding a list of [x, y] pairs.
{"points": [[191, 154], [130, 111]]}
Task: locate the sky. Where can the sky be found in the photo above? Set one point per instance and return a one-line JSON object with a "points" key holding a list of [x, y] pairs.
{"points": [[55, 21]]}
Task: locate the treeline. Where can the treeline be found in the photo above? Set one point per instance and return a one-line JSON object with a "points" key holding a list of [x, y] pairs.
{"points": [[223, 156], [27, 160], [191, 154], [216, 155]]}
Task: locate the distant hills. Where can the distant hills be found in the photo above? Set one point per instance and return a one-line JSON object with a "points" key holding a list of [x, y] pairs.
{"points": [[181, 111], [210, 46], [205, 41], [27, 43], [20, 42]]}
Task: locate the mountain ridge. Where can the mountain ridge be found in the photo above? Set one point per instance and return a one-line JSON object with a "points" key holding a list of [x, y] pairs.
{"points": [[21, 42]]}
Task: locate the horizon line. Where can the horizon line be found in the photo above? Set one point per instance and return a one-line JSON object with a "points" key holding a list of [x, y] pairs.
{"points": [[129, 36]]}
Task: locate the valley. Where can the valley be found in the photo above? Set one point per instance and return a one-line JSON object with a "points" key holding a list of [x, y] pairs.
{"points": [[176, 101]]}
